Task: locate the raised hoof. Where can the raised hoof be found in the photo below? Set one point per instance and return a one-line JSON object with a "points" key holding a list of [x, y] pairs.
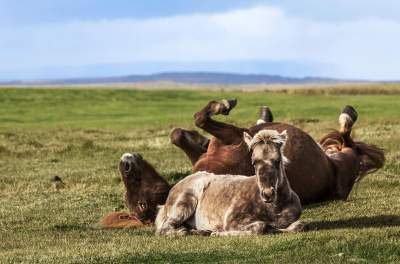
{"points": [[229, 104], [266, 114], [348, 109]]}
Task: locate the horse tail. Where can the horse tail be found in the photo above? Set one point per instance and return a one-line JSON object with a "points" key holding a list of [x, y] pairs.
{"points": [[120, 220], [372, 158]]}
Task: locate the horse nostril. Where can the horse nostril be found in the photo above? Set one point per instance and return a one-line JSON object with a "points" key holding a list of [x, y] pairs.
{"points": [[268, 200], [126, 166]]}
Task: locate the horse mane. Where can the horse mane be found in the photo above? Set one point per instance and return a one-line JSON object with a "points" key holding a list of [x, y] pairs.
{"points": [[372, 160], [372, 156], [267, 136]]}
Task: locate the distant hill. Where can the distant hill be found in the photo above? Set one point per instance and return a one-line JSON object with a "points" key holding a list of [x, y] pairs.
{"points": [[183, 77]]}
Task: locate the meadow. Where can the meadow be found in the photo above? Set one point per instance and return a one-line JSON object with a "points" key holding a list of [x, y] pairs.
{"points": [[80, 134]]}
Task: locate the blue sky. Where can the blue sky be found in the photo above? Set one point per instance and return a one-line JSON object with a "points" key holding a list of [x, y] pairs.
{"points": [[350, 39]]}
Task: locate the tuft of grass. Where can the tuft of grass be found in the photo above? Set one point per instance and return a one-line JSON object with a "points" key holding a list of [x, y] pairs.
{"points": [[79, 135]]}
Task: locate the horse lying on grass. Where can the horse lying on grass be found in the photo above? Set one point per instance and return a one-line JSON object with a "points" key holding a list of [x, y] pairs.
{"points": [[317, 172], [145, 191], [233, 204]]}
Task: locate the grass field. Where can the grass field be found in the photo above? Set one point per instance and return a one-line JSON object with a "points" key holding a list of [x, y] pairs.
{"points": [[80, 134]]}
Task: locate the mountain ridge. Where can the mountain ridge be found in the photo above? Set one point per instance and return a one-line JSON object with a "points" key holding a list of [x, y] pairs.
{"points": [[200, 77]]}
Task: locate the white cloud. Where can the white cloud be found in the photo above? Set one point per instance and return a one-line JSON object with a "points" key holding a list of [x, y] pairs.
{"points": [[363, 48]]}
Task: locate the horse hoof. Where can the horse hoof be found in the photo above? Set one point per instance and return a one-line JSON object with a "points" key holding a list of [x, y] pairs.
{"points": [[348, 109], [266, 114], [229, 104]]}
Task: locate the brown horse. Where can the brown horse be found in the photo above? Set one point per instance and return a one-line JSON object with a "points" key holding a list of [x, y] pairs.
{"points": [[234, 204], [317, 172], [145, 190]]}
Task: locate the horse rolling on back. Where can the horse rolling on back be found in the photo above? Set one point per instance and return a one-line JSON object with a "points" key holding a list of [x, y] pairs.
{"points": [[233, 204]]}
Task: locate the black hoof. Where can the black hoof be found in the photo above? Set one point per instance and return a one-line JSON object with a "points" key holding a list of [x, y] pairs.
{"points": [[348, 109], [229, 105], [266, 114]]}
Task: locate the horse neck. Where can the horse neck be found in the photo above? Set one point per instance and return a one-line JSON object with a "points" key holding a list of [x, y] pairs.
{"points": [[152, 188], [284, 188], [151, 176], [150, 179]]}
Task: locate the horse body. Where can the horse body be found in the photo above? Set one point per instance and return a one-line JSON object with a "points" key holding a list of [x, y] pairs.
{"points": [[232, 204], [202, 190]]}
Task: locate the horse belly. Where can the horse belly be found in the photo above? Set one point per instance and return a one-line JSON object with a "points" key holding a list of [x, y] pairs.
{"points": [[309, 171], [201, 221]]}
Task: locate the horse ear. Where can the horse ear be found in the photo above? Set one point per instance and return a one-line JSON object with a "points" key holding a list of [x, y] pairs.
{"points": [[284, 135], [247, 138]]}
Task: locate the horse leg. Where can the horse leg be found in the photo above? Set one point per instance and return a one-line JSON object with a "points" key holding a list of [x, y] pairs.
{"points": [[346, 121], [334, 142], [226, 133], [170, 219], [260, 228], [265, 115], [255, 228], [294, 227], [191, 142]]}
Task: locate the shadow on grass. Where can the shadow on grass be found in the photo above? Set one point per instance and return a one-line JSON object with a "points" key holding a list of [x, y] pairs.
{"points": [[178, 257], [356, 223], [71, 227]]}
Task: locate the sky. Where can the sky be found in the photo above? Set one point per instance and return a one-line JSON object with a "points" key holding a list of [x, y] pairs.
{"points": [[348, 39]]}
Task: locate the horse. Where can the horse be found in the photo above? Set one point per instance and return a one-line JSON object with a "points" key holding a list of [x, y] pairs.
{"points": [[145, 190], [236, 204], [318, 172]]}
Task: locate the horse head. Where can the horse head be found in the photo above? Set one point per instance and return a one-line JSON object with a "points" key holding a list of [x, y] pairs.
{"points": [[268, 160], [145, 188]]}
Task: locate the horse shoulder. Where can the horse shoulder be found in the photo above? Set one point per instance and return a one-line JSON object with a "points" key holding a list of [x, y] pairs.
{"points": [[194, 183]]}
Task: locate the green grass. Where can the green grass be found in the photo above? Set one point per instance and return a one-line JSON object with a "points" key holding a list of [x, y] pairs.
{"points": [[80, 135]]}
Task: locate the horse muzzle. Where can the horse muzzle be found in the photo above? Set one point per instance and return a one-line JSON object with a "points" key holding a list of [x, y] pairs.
{"points": [[268, 194]]}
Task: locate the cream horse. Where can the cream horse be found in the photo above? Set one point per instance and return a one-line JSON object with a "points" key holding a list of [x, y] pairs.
{"points": [[234, 204]]}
